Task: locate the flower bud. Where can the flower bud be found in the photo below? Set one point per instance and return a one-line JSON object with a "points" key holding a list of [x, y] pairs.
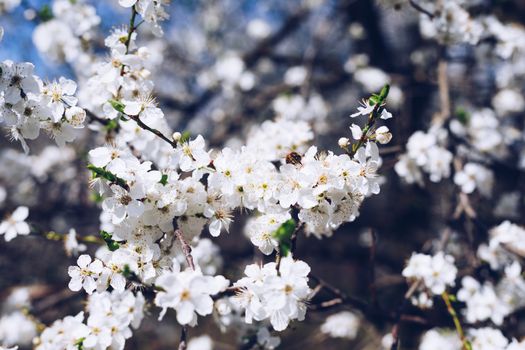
{"points": [[343, 142], [176, 136], [357, 133], [383, 135]]}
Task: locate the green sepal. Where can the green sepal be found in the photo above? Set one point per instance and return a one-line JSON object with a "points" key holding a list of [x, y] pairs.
{"points": [[117, 105], [284, 234], [107, 237], [185, 137]]}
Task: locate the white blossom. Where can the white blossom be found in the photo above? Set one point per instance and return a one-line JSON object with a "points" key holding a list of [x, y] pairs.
{"points": [[85, 274], [343, 324], [15, 224], [435, 272], [188, 292]]}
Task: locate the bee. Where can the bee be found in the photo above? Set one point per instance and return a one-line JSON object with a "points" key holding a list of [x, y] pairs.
{"points": [[293, 158]]}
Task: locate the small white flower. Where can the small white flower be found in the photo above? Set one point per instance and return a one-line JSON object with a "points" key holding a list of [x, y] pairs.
{"points": [[343, 142], [85, 274], [127, 3], [191, 155], [15, 224], [58, 95], [383, 135], [439, 339], [488, 339], [344, 324], [76, 116], [188, 292], [102, 156], [364, 109], [474, 176], [71, 244], [295, 76], [266, 340], [385, 114]]}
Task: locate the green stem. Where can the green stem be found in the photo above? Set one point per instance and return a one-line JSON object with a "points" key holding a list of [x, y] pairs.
{"points": [[131, 28], [457, 324], [55, 236], [379, 101]]}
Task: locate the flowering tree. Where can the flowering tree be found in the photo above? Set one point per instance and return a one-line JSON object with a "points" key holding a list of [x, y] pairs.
{"points": [[155, 150]]}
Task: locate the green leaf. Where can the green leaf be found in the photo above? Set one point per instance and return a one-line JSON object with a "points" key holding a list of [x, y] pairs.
{"points": [[111, 125], [107, 237], [284, 234], [126, 271], [117, 105], [379, 98], [80, 343], [462, 115], [45, 13], [164, 179], [103, 173], [384, 92]]}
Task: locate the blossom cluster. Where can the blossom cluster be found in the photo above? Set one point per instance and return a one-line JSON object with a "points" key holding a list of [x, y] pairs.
{"points": [[111, 319], [278, 293], [161, 192], [486, 338], [425, 151], [433, 274], [505, 244], [485, 301], [16, 326], [64, 36], [152, 11], [28, 105]]}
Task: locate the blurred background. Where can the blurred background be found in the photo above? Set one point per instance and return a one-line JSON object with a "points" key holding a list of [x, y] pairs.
{"points": [[226, 65]]}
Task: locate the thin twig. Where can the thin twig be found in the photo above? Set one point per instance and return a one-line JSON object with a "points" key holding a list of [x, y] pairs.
{"points": [[399, 314], [186, 249], [341, 298], [96, 118], [444, 93], [369, 124], [372, 268], [419, 8], [183, 339], [293, 238], [152, 130]]}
